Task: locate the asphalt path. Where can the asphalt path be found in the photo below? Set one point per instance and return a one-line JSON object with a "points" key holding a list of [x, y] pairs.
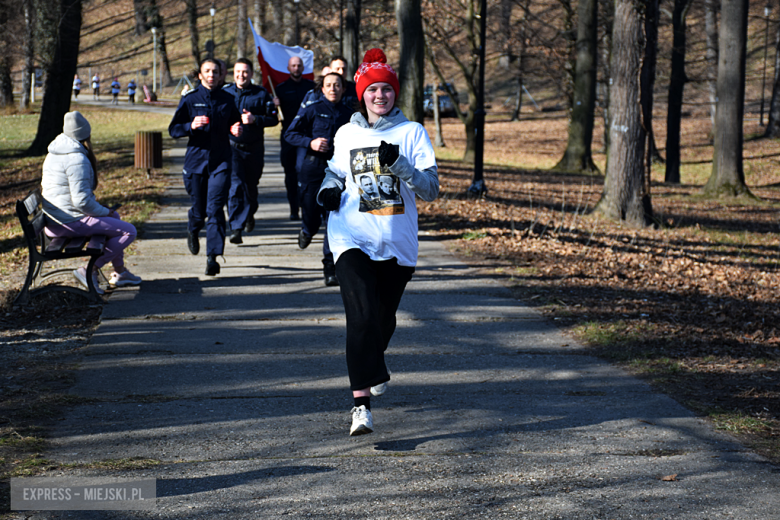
{"points": [[236, 385]]}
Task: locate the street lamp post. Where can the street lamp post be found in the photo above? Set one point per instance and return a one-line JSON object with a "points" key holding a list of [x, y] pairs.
{"points": [[154, 59], [213, 13], [767, 11], [297, 24]]}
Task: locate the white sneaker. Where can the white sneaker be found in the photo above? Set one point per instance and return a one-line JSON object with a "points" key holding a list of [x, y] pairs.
{"points": [[81, 276], [126, 278], [381, 388], [362, 422]]}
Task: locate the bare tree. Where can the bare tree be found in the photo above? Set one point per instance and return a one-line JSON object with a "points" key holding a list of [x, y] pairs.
{"points": [[411, 69], [728, 175], [241, 29], [607, 23], [191, 7], [156, 21], [711, 27], [59, 76], [352, 37], [7, 19], [139, 9], [29, 52], [578, 155], [625, 197], [259, 19], [676, 86], [773, 114], [440, 32]]}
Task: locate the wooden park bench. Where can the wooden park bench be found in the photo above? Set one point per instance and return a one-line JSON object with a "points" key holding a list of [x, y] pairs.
{"points": [[43, 249]]}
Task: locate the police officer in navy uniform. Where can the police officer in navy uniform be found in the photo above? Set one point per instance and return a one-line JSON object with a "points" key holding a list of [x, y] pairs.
{"points": [[289, 95], [338, 64], [257, 112], [312, 131], [207, 116]]}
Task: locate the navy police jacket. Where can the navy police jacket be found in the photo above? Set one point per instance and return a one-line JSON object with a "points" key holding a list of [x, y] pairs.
{"points": [[208, 148], [290, 94], [320, 119], [258, 102]]}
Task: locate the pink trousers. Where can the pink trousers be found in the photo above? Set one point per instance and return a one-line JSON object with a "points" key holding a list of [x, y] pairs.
{"points": [[120, 235]]}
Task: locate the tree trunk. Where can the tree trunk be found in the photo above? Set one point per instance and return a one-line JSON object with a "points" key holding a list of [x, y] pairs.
{"points": [[577, 156], [156, 20], [437, 120], [570, 39], [277, 13], [625, 197], [411, 69], [520, 62], [728, 176], [139, 7], [29, 53], [59, 77], [241, 29], [773, 114], [607, 22], [676, 86], [505, 35], [6, 61], [711, 28], [259, 18], [352, 37], [648, 80], [192, 21]]}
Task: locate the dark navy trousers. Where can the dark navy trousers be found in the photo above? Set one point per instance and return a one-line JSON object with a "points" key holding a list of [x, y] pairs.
{"points": [[313, 216], [247, 168], [288, 157], [208, 195]]}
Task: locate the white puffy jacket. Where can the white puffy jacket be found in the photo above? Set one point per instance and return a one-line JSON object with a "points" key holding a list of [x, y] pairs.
{"points": [[68, 182]]}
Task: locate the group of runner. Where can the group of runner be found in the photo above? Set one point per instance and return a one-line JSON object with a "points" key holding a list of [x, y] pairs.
{"points": [[116, 89]]}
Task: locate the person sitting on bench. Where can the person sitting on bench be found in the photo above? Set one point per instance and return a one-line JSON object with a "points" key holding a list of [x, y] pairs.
{"points": [[69, 178]]}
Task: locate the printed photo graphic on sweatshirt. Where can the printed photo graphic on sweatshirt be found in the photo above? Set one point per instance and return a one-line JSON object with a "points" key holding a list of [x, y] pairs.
{"points": [[380, 192]]}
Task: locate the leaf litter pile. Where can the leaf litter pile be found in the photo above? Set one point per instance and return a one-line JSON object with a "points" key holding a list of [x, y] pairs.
{"points": [[691, 305]]}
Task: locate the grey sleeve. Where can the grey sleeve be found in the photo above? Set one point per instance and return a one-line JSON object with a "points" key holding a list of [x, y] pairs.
{"points": [[425, 183], [331, 181]]}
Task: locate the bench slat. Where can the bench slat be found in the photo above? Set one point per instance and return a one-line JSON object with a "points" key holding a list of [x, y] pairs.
{"points": [[75, 245], [56, 245]]}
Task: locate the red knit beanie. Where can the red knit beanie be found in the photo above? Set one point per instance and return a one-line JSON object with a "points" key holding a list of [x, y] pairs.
{"points": [[375, 69]]}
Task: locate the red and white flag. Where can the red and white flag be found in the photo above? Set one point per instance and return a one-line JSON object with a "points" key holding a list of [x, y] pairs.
{"points": [[273, 58]]}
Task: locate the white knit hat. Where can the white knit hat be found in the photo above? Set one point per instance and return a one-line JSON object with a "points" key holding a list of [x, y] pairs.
{"points": [[76, 126]]}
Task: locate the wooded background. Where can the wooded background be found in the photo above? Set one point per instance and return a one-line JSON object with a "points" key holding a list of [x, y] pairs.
{"points": [[625, 62]]}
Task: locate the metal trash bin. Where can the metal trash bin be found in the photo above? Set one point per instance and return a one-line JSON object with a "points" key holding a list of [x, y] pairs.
{"points": [[148, 150]]}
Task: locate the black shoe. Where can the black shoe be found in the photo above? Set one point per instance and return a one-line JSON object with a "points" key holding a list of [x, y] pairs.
{"points": [[329, 271], [294, 216], [235, 237], [250, 223], [193, 243], [303, 240], [212, 266]]}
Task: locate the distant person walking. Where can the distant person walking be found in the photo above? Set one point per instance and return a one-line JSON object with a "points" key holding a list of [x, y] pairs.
{"points": [[116, 89], [312, 132], [96, 86], [76, 87], [374, 240], [67, 185], [207, 116], [131, 88], [289, 95], [257, 112]]}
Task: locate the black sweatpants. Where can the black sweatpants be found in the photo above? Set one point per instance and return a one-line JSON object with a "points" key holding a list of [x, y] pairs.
{"points": [[371, 292]]}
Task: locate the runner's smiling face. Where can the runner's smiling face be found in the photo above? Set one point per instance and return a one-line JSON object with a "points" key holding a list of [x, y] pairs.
{"points": [[379, 99], [242, 74], [209, 74]]}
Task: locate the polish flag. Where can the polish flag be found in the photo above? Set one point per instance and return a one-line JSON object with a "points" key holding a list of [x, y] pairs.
{"points": [[273, 58]]}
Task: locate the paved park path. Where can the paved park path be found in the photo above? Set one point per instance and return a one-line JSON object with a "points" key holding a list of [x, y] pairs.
{"points": [[237, 386]]}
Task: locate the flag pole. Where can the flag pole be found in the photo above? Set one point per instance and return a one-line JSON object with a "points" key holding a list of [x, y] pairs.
{"points": [[273, 91]]}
